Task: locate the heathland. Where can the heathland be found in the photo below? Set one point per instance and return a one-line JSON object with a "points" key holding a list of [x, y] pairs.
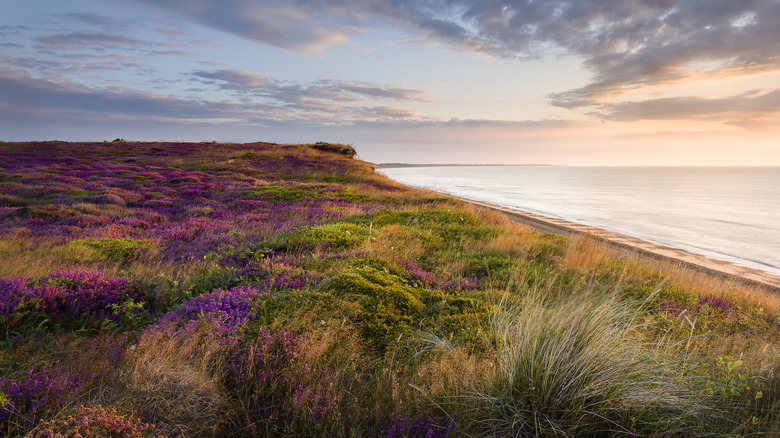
{"points": [[181, 289]]}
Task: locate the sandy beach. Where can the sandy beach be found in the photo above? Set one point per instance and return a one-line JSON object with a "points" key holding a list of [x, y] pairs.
{"points": [[635, 246]]}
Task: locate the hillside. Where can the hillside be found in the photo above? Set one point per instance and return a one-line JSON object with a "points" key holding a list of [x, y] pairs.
{"points": [[204, 289]]}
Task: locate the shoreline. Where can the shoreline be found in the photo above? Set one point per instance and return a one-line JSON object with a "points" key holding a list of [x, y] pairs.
{"points": [[634, 245]]}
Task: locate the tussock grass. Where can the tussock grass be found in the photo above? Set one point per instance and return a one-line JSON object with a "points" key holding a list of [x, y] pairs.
{"points": [[581, 366]]}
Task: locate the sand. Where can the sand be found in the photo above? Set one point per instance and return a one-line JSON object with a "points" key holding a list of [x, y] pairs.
{"points": [[634, 245], [638, 246]]}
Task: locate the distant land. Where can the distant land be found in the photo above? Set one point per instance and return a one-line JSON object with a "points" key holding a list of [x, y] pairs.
{"points": [[397, 165]]}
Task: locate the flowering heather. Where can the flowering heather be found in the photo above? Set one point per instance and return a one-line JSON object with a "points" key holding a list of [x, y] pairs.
{"points": [[231, 307], [72, 293], [36, 394], [179, 207], [417, 426], [713, 302], [421, 277], [12, 289]]}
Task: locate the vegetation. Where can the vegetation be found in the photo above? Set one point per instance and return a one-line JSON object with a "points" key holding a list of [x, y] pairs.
{"points": [[172, 289]]}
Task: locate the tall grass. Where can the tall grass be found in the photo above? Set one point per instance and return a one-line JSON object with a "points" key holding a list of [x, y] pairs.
{"points": [[581, 366]]}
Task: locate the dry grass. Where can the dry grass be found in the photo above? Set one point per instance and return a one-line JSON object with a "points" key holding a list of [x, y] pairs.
{"points": [[173, 388], [397, 241], [40, 256], [585, 253]]}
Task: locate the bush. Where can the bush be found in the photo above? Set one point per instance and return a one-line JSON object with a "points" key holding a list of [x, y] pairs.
{"points": [[387, 303], [116, 249], [332, 237], [12, 201]]}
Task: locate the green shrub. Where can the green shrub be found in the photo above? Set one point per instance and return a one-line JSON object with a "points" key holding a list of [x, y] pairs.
{"points": [[294, 191], [492, 264], [118, 250], [12, 201], [420, 217], [387, 304], [549, 247], [332, 237]]}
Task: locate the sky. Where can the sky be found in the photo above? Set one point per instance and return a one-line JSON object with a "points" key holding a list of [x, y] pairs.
{"points": [[565, 82]]}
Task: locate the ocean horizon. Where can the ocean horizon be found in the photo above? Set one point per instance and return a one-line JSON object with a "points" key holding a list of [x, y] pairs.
{"points": [[724, 213]]}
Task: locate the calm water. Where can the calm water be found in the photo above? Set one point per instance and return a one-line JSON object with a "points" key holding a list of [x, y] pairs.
{"points": [[730, 214]]}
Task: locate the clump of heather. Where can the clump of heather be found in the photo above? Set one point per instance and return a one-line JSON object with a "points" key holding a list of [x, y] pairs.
{"points": [[262, 373], [231, 308], [420, 425], [419, 276], [270, 274], [34, 395], [93, 422], [72, 294], [12, 289], [715, 303]]}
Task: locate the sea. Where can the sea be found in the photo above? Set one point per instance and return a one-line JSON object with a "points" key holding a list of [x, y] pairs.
{"points": [[724, 213]]}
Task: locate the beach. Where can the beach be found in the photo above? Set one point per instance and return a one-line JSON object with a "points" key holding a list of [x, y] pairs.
{"points": [[633, 245]]}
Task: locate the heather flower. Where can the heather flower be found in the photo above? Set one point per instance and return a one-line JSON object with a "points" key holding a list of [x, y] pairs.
{"points": [[420, 425], [418, 276], [715, 303], [36, 394], [230, 307], [11, 291]]}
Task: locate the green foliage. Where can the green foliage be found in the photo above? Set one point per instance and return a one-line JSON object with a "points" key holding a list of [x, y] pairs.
{"points": [[462, 319], [492, 264], [333, 237], [386, 303], [421, 217], [293, 191], [117, 250], [548, 248], [335, 148], [11, 201], [49, 212]]}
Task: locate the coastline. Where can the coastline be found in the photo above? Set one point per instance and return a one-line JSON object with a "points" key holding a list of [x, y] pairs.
{"points": [[633, 245]]}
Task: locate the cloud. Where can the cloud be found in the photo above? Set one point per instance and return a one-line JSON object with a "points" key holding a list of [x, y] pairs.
{"points": [[392, 112], [64, 41], [23, 97], [235, 79], [626, 45], [323, 95], [745, 107], [288, 25]]}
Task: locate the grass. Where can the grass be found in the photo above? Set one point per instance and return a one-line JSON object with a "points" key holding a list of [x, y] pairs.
{"points": [[183, 289]]}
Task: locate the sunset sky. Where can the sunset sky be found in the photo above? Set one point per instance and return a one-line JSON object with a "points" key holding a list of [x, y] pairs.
{"points": [[571, 82]]}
